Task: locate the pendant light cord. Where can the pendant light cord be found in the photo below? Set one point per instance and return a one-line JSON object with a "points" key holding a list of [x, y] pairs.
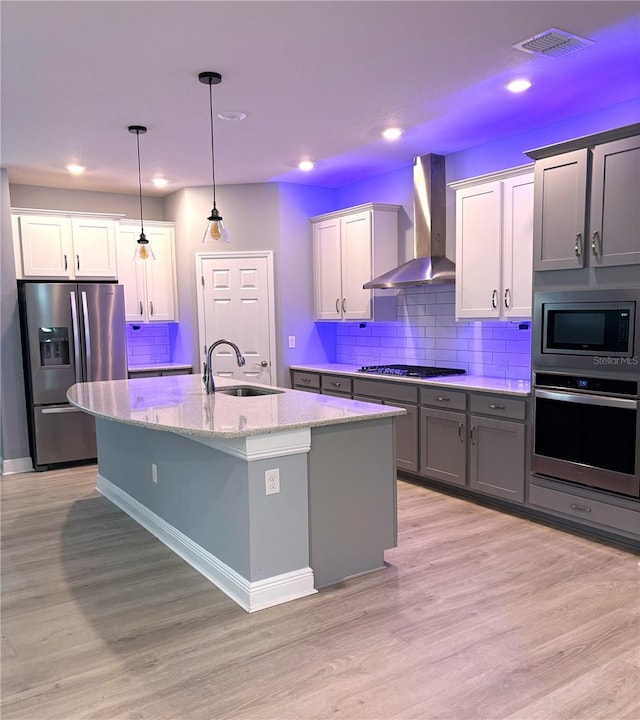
{"points": [[213, 162], [140, 182]]}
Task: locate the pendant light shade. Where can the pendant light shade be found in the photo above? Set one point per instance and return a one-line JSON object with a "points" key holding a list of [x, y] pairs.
{"points": [[142, 250], [215, 230]]}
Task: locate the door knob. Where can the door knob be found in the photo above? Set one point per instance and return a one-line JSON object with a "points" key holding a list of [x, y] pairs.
{"points": [[264, 363]]}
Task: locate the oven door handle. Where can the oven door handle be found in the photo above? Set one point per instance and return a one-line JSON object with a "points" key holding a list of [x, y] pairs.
{"points": [[586, 399]]}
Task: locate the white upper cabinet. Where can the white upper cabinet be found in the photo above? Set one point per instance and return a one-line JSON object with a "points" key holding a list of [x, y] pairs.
{"points": [[494, 236], [65, 246], [587, 212], [350, 247], [150, 292]]}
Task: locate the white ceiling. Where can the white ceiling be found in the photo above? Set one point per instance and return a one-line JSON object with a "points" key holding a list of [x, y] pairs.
{"points": [[317, 80]]}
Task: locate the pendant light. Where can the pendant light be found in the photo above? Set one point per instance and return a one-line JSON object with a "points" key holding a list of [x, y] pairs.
{"points": [[142, 251], [215, 230]]}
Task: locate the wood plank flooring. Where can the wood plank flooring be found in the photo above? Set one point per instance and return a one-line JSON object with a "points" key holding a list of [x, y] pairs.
{"points": [[479, 615]]}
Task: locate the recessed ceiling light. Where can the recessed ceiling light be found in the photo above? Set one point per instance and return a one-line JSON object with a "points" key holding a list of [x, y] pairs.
{"points": [[160, 182], [392, 133], [518, 86], [306, 165], [232, 115], [76, 169]]}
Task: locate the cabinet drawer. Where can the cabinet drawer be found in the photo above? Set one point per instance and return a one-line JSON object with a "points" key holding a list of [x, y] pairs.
{"points": [[306, 380], [135, 374], [498, 406], [386, 390], [588, 511], [443, 398], [336, 384]]}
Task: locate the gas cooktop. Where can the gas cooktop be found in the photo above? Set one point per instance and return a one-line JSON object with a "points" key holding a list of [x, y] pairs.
{"points": [[414, 371]]}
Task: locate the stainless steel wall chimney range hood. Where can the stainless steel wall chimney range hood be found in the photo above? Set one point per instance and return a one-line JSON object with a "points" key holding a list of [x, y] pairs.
{"points": [[430, 266]]}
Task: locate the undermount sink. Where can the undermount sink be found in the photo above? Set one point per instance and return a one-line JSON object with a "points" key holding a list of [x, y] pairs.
{"points": [[247, 391]]}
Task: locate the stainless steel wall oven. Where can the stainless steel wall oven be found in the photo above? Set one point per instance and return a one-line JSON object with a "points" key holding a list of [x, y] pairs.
{"points": [[586, 431]]}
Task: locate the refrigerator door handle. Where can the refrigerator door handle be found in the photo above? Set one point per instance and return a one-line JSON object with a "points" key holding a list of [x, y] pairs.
{"points": [[87, 336], [76, 336], [58, 410]]}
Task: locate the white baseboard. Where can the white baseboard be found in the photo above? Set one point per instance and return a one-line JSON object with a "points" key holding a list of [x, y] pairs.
{"points": [[16, 465], [251, 596]]}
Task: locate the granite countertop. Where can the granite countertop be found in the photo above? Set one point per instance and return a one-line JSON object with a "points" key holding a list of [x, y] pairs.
{"points": [[480, 383], [178, 403]]}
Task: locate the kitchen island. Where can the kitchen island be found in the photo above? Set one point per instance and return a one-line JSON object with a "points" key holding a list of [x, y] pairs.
{"points": [[269, 496]]}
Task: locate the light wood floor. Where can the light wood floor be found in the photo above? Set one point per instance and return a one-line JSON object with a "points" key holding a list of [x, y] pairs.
{"points": [[479, 615]]}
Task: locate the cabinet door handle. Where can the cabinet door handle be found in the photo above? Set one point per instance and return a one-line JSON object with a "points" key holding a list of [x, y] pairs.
{"points": [[443, 399], [338, 305], [151, 306], [507, 298], [460, 429], [141, 308], [595, 242], [77, 262], [496, 407], [344, 305], [471, 434], [580, 508], [494, 298], [305, 380], [66, 264], [578, 246], [336, 383]]}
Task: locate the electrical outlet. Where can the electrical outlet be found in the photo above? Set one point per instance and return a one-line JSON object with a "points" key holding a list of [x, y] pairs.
{"points": [[292, 341], [272, 481], [154, 473]]}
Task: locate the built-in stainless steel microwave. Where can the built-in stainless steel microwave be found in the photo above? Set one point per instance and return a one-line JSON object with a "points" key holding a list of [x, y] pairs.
{"points": [[591, 330]]}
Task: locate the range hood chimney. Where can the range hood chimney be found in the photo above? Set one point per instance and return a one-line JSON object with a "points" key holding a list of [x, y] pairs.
{"points": [[429, 266]]}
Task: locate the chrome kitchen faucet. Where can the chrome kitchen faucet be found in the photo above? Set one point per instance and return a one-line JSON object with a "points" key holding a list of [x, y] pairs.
{"points": [[207, 376]]}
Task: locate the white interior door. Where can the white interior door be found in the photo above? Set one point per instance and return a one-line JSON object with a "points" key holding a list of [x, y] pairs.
{"points": [[236, 303]]}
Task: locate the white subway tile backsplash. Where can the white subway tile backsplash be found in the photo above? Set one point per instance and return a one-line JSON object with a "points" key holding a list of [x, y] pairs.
{"points": [[148, 344], [427, 332]]}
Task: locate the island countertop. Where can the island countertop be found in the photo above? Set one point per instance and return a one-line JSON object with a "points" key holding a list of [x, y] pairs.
{"points": [[179, 404]]}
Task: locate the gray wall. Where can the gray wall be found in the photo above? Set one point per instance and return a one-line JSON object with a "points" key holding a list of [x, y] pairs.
{"points": [[13, 417], [43, 198]]}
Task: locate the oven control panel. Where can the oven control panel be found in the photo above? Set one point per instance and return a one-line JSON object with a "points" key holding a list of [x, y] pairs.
{"points": [[607, 386]]}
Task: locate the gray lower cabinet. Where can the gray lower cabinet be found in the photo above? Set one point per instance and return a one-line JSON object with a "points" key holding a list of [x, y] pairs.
{"points": [[582, 505], [443, 445], [497, 457], [308, 382], [339, 385], [479, 441], [402, 396], [497, 445]]}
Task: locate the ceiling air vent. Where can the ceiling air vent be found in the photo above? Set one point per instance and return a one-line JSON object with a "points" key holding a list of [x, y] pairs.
{"points": [[554, 43]]}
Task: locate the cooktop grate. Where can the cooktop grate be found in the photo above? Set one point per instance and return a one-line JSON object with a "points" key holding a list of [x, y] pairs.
{"points": [[419, 371]]}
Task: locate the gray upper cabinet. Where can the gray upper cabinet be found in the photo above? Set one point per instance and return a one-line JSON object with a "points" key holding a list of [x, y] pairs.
{"points": [[615, 207], [560, 211], [586, 206]]}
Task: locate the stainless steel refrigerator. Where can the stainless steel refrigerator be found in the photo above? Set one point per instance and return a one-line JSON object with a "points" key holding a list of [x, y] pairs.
{"points": [[71, 333]]}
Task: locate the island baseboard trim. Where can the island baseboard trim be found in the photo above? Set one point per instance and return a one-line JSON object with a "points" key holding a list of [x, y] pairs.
{"points": [[251, 596]]}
